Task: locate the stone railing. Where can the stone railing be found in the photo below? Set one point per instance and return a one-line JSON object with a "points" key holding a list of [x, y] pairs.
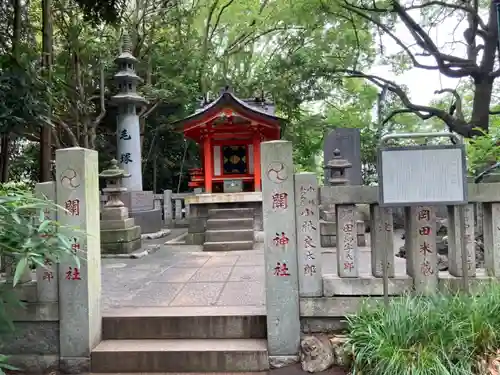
{"points": [[355, 272], [175, 211], [311, 288]]}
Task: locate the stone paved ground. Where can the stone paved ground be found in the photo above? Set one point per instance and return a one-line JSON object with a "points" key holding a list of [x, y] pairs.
{"points": [[185, 276]]}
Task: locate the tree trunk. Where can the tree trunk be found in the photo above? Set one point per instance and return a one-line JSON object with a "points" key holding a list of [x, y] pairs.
{"points": [[481, 104], [5, 138], [45, 132]]}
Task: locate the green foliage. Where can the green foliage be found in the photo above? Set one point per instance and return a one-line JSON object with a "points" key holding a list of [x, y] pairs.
{"points": [[483, 150], [27, 238], [440, 335]]}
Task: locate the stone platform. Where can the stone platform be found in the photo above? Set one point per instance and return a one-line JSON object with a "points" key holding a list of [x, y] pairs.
{"points": [[203, 207], [180, 275]]}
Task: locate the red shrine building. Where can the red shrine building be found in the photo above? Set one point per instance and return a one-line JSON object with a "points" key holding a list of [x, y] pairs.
{"points": [[229, 132]]}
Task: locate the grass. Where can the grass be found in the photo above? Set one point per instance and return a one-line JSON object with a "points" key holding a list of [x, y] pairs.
{"points": [[440, 335]]}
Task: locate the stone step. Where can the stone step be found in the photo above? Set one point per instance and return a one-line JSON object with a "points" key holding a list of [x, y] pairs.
{"points": [[181, 355], [172, 323], [187, 373], [230, 213], [229, 235], [239, 223], [228, 246]]}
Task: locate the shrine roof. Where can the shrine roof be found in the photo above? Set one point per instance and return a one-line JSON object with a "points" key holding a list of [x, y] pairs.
{"points": [[253, 108]]}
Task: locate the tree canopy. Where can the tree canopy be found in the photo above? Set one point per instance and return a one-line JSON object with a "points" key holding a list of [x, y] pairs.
{"points": [[312, 58]]}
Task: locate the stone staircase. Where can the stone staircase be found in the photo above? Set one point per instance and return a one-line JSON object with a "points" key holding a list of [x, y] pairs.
{"points": [[182, 340], [229, 229]]}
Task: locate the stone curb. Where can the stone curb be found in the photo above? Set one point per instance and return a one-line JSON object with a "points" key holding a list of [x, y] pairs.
{"points": [[134, 255]]}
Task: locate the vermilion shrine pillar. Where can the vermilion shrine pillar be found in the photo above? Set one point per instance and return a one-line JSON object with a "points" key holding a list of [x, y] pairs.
{"points": [[256, 161], [207, 162]]}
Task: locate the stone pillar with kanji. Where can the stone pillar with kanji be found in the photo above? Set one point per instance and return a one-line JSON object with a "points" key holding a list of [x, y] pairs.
{"points": [[308, 235], [455, 237], [421, 248], [280, 249], [382, 239], [79, 281], [491, 229], [47, 277]]}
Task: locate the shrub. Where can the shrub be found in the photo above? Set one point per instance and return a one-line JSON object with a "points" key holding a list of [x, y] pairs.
{"points": [[29, 238], [440, 335]]}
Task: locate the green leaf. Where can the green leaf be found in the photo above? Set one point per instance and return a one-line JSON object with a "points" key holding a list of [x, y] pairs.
{"points": [[20, 268]]}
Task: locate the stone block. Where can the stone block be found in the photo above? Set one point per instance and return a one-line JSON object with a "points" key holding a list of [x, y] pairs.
{"points": [[117, 224], [327, 215], [197, 224], [114, 213], [138, 200], [121, 247], [195, 238], [327, 228], [150, 221], [31, 337], [364, 286], [120, 235]]}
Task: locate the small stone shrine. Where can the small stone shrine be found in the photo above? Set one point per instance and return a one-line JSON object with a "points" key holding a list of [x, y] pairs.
{"points": [[335, 175], [119, 234], [139, 202]]}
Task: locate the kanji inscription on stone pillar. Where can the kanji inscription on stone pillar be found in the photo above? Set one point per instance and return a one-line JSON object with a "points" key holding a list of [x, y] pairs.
{"points": [[382, 239], [47, 277], [308, 240], [455, 238], [280, 248], [491, 229], [422, 245], [347, 244], [79, 284]]}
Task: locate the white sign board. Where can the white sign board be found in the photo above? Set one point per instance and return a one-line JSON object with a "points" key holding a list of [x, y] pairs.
{"points": [[422, 175]]}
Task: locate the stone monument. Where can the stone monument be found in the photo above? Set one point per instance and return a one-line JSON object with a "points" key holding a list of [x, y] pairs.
{"points": [[139, 202], [80, 322], [336, 171], [348, 142], [119, 234]]}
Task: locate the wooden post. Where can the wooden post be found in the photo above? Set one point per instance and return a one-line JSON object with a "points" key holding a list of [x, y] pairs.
{"points": [[207, 162], [256, 161]]}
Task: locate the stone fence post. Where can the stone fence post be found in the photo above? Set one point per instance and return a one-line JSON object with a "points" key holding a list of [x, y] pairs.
{"points": [[308, 235], [47, 278], [420, 244], [280, 249], [167, 208], [79, 285]]}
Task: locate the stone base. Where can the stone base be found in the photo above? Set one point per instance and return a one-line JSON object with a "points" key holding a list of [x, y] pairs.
{"points": [[35, 363], [150, 221], [120, 235], [280, 361], [195, 238], [121, 247], [74, 365]]}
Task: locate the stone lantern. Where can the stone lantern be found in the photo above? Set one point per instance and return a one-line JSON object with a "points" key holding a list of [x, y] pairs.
{"points": [[113, 178], [119, 234], [335, 170]]}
